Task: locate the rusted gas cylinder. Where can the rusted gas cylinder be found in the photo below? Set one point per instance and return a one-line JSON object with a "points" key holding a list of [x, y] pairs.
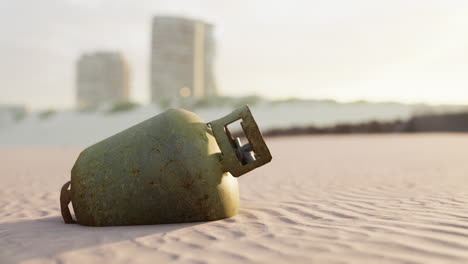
{"points": [[171, 168]]}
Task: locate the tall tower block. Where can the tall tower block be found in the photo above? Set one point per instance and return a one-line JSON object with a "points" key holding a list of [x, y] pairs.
{"points": [[182, 54], [102, 77]]}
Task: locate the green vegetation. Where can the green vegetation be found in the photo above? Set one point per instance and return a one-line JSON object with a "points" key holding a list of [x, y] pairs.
{"points": [[220, 101], [247, 100], [122, 107], [164, 104], [210, 102], [19, 116], [47, 113]]}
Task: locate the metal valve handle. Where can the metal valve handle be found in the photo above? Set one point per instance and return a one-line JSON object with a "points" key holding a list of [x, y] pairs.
{"points": [[239, 159]]}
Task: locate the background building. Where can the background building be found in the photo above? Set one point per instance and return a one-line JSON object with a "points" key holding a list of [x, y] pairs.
{"points": [[102, 77], [182, 54]]}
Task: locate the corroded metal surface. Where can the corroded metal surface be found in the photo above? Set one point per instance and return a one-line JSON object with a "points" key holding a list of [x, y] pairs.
{"points": [[166, 169]]}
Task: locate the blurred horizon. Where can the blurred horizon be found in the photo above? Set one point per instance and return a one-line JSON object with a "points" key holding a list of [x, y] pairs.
{"points": [[399, 51], [226, 101]]}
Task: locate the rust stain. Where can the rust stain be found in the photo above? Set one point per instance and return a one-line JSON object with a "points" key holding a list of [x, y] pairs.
{"points": [[155, 150], [187, 184], [154, 182], [136, 171]]}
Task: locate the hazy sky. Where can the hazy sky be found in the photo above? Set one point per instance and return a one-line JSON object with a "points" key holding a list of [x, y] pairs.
{"points": [[399, 50]]}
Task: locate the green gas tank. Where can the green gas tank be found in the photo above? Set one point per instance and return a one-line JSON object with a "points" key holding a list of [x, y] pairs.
{"points": [[171, 168]]}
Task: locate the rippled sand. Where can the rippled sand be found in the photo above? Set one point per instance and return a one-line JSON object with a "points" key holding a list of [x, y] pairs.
{"points": [[338, 199]]}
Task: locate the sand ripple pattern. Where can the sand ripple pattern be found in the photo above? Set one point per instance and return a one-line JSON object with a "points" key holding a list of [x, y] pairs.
{"points": [[328, 199]]}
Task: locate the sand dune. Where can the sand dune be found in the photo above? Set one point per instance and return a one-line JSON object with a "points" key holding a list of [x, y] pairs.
{"points": [[333, 199]]}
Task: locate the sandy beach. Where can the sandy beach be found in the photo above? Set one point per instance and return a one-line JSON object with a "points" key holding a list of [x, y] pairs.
{"points": [[323, 199]]}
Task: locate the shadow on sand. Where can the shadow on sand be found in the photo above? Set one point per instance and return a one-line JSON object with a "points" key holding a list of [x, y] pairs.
{"points": [[48, 237]]}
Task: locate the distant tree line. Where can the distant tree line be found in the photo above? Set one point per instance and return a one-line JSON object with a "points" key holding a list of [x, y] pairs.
{"points": [[455, 122]]}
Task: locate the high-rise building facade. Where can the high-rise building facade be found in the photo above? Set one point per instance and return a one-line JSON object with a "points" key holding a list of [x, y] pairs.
{"points": [[182, 54], [102, 77]]}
